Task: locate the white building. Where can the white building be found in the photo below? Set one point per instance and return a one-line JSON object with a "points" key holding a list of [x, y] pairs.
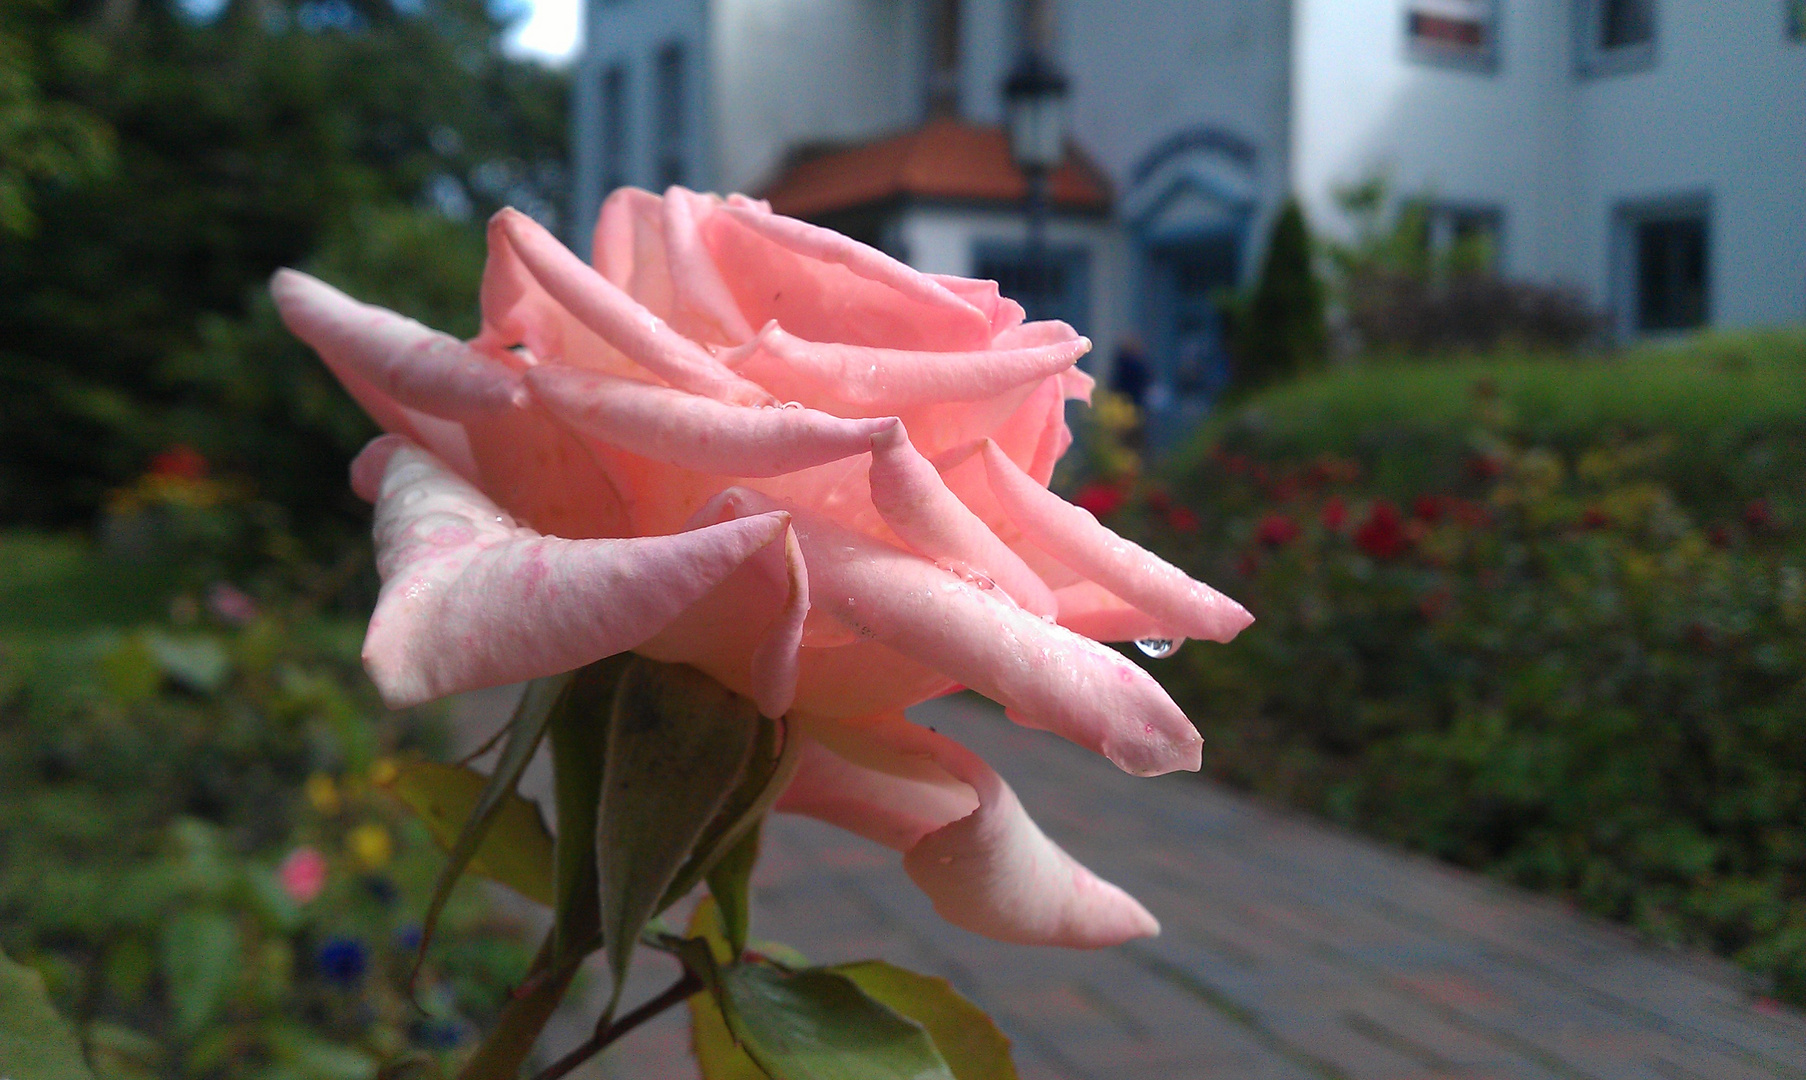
{"points": [[1650, 152]]}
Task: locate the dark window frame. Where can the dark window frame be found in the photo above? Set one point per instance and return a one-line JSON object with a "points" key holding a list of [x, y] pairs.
{"points": [[1433, 38], [613, 107], [1597, 58], [1643, 222], [670, 103]]}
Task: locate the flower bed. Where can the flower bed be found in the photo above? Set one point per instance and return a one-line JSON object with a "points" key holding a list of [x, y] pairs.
{"points": [[1549, 664]]}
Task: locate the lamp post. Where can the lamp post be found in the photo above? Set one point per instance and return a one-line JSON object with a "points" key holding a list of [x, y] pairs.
{"points": [[1034, 98]]}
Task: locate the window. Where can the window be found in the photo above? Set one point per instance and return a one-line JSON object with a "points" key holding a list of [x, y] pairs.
{"points": [[614, 128], [1668, 273], [1796, 20], [1625, 24], [1054, 286], [1455, 33], [941, 77], [668, 134], [1466, 238], [1617, 35]]}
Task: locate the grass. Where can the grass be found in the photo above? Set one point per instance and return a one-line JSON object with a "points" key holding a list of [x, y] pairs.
{"points": [[61, 583]]}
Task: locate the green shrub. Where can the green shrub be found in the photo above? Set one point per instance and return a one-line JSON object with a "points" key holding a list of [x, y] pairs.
{"points": [[1281, 332], [160, 789], [1567, 661]]}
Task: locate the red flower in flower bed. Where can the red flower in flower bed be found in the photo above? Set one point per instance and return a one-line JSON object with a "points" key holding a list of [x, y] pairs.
{"points": [[1595, 517], [180, 462], [1276, 531], [1101, 499], [1182, 520], [1428, 508], [1383, 534], [1334, 514], [1470, 514], [1759, 515], [1485, 468]]}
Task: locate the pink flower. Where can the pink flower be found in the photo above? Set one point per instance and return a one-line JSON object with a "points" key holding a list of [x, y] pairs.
{"points": [[751, 445], [302, 874]]}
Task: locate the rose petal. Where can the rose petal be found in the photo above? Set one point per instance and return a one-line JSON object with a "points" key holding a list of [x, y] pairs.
{"points": [[696, 280], [909, 494], [865, 261], [412, 364], [1005, 314], [470, 599], [616, 317], [825, 287], [697, 432], [867, 378], [1072, 535], [1090, 610], [967, 841], [1051, 678], [996, 873], [882, 788]]}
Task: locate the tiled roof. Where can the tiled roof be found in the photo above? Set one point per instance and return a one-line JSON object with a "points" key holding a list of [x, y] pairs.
{"points": [[943, 159]]}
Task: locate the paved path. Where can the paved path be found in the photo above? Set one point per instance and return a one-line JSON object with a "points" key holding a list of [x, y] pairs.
{"points": [[1290, 951]]}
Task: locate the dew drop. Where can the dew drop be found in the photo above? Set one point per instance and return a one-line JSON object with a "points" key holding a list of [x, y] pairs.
{"points": [[793, 404], [1157, 647]]}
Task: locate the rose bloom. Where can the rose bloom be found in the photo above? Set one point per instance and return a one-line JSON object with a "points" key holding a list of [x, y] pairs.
{"points": [[751, 445]]}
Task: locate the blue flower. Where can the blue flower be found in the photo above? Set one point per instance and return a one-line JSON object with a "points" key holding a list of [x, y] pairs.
{"points": [[343, 960]]}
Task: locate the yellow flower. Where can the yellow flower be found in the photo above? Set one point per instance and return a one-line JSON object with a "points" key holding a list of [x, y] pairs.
{"points": [[370, 846], [322, 793], [384, 773]]}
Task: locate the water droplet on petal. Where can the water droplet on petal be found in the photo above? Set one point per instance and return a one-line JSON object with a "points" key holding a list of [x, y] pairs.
{"points": [[793, 404], [1157, 647]]}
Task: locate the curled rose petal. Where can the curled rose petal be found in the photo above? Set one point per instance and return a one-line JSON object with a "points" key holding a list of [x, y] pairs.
{"points": [[697, 432], [470, 599], [1073, 536], [616, 317], [908, 492], [966, 839], [416, 366], [695, 280], [1090, 610], [865, 377], [1051, 678]]}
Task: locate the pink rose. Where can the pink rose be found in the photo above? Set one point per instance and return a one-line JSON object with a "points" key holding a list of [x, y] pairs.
{"points": [[303, 874], [758, 447]]}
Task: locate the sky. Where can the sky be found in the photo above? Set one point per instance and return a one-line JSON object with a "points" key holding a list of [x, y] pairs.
{"points": [[550, 32]]}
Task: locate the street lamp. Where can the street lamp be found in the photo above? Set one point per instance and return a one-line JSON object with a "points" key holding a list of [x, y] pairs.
{"points": [[1034, 99]]}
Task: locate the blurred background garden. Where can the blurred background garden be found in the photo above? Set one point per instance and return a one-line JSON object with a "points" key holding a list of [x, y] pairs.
{"points": [[1528, 557]]}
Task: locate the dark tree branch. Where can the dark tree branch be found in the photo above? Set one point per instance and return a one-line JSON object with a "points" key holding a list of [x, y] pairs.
{"points": [[607, 1032]]}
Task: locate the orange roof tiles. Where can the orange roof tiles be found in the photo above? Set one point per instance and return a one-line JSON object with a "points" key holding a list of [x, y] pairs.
{"points": [[943, 159]]}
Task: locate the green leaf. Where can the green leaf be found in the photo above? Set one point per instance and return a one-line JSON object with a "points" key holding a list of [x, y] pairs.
{"points": [[35, 1043], [773, 762], [579, 736], [509, 1042], [197, 661], [525, 728], [200, 963], [967, 1038], [817, 1024], [717, 1054], [730, 885], [678, 744], [317, 1059], [516, 849]]}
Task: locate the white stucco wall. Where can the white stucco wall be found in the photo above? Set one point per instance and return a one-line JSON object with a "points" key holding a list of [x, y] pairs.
{"points": [[629, 33], [1721, 112], [792, 72]]}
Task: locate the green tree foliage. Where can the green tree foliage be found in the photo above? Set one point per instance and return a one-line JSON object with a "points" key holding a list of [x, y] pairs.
{"points": [[1281, 331], [330, 133], [42, 141]]}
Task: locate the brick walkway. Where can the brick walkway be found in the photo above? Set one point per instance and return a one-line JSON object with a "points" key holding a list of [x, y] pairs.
{"points": [[1290, 951]]}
